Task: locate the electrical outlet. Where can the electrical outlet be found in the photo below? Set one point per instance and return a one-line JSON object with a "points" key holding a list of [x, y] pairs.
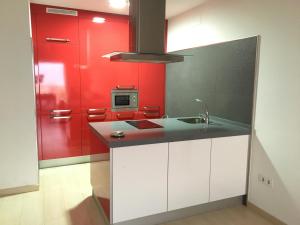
{"points": [[265, 180], [261, 179], [269, 182]]}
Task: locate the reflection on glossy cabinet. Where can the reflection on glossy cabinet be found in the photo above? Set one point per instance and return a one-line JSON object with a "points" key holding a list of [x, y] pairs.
{"points": [[59, 77], [96, 80], [139, 181], [61, 136], [189, 171], [100, 75], [229, 159]]}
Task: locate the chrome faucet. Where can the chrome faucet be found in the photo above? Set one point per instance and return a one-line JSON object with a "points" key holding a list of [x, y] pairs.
{"points": [[206, 113]]}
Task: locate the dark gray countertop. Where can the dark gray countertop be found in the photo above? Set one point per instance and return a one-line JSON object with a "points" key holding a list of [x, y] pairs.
{"points": [[173, 130]]}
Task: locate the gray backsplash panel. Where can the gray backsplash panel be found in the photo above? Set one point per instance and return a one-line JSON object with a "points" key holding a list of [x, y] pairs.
{"points": [[222, 75]]}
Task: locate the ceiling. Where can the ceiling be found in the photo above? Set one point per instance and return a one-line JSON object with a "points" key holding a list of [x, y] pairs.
{"points": [[174, 7]]}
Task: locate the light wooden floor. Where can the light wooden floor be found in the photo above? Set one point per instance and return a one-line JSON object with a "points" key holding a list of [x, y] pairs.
{"points": [[65, 199]]}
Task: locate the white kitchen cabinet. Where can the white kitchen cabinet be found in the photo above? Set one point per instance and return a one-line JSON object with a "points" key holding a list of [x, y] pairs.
{"points": [[139, 181], [189, 170], [229, 157]]}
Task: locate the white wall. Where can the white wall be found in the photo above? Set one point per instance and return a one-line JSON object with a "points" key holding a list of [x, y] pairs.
{"points": [[276, 145], [18, 150]]}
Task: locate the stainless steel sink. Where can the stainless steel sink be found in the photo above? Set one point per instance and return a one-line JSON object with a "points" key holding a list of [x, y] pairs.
{"points": [[194, 120]]}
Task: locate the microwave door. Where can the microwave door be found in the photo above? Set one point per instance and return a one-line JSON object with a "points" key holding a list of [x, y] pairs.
{"points": [[122, 100]]}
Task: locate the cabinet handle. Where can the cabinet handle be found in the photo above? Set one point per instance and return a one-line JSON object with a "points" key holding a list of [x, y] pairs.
{"points": [[125, 116], [96, 117], [61, 117], [152, 114], [63, 40], [97, 111], [61, 111], [151, 108], [129, 87]]}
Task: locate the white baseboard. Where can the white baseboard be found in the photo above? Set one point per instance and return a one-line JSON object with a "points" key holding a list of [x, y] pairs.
{"points": [[18, 190]]}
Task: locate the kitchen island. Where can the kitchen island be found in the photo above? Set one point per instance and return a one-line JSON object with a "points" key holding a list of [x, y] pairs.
{"points": [[155, 175], [172, 130]]}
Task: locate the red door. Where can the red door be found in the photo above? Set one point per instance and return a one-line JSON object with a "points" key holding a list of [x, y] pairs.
{"points": [[152, 90], [61, 136]]}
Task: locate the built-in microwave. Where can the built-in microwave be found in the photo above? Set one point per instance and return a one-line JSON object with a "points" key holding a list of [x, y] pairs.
{"points": [[124, 99]]}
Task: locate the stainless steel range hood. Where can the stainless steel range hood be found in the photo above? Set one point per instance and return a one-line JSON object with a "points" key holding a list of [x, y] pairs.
{"points": [[147, 34]]}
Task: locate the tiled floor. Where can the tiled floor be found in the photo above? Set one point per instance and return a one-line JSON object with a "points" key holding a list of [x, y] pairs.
{"points": [[64, 198]]}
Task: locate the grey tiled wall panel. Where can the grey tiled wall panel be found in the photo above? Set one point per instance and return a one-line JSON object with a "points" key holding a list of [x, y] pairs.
{"points": [[221, 74]]}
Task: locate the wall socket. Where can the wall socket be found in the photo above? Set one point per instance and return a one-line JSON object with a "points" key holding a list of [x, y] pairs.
{"points": [[261, 179], [265, 180], [269, 182]]}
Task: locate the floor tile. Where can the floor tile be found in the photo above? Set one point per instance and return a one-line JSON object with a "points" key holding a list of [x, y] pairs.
{"points": [[65, 198], [32, 205], [11, 206]]}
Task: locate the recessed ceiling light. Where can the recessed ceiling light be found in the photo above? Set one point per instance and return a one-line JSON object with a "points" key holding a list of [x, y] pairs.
{"points": [[118, 4], [98, 20]]}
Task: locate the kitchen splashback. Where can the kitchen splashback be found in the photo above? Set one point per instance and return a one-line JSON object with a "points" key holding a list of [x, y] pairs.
{"points": [[222, 75]]}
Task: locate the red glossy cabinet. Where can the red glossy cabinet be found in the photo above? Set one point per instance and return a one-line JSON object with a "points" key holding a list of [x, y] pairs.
{"points": [[58, 83], [61, 136], [99, 75], [111, 35], [152, 89], [126, 74], [95, 71], [90, 143], [55, 27], [149, 113], [74, 81], [59, 77], [130, 115]]}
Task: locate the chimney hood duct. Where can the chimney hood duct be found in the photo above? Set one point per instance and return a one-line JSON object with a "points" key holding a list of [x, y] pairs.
{"points": [[147, 34]]}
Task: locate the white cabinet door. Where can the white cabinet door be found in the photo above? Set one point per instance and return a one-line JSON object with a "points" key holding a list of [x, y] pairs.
{"points": [[229, 157], [139, 181], [189, 168]]}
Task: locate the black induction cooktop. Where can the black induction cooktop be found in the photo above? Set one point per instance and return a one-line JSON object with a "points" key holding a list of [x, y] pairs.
{"points": [[143, 124]]}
